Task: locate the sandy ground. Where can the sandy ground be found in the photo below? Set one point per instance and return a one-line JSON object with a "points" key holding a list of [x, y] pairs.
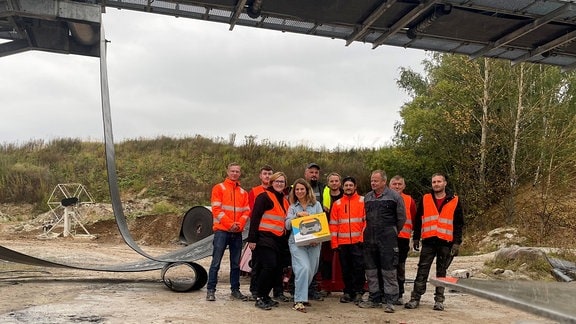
{"points": [[51, 295]]}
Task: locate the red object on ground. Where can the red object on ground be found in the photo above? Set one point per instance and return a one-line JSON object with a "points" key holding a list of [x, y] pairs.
{"points": [[335, 283]]}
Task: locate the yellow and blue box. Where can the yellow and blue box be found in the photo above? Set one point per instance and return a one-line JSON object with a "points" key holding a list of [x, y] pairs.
{"points": [[310, 229]]}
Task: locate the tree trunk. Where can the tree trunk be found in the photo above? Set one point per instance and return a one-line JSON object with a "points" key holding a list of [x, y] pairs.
{"points": [[515, 140], [484, 124]]}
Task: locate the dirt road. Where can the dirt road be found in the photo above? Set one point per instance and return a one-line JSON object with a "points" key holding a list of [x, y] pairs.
{"points": [[48, 295]]}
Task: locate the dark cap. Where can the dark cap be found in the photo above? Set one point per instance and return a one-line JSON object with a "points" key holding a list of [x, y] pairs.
{"points": [[349, 178], [313, 165]]}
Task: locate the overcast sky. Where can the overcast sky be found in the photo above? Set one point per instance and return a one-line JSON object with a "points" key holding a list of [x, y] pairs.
{"points": [[181, 77]]}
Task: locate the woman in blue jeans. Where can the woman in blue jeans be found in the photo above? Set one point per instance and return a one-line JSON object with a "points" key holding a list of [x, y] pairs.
{"points": [[305, 259]]}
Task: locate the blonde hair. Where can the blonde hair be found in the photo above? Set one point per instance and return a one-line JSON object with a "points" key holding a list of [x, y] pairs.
{"points": [[310, 197], [278, 175]]}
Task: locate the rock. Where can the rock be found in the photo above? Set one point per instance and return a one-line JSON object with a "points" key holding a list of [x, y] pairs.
{"points": [[508, 274], [519, 253], [525, 262], [462, 273], [500, 238]]}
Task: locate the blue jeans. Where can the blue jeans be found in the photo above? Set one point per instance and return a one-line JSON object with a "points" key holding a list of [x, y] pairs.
{"points": [[234, 243], [305, 260]]}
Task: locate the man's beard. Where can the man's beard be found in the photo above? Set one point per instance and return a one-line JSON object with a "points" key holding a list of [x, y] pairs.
{"points": [[313, 182]]}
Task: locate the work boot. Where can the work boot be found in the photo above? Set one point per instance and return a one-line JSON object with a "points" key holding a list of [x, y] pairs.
{"points": [[236, 294], [438, 306], [346, 298], [412, 304], [211, 295], [370, 304], [399, 301], [271, 302], [358, 298], [389, 308], [316, 296], [283, 298], [261, 303]]}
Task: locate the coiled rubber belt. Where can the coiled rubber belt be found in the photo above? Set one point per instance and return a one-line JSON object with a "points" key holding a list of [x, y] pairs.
{"points": [[181, 257]]}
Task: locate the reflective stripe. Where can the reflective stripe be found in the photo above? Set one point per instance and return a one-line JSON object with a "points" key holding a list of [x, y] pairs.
{"points": [[235, 208], [273, 217], [430, 218], [346, 221], [429, 228], [406, 231], [216, 203], [274, 228], [446, 221], [443, 230]]}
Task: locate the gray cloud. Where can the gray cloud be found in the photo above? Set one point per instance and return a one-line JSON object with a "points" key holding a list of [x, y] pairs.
{"points": [[181, 77]]}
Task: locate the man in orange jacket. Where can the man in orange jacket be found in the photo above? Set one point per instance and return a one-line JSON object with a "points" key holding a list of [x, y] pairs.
{"points": [[439, 221], [230, 212], [347, 223], [398, 184]]}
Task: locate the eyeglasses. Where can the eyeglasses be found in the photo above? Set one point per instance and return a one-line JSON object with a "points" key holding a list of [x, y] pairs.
{"points": [[279, 181]]}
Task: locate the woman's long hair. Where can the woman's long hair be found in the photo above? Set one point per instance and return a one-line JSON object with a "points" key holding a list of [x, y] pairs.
{"points": [[310, 197]]}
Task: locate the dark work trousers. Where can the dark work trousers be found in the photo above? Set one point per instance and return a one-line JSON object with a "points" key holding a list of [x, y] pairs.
{"points": [[403, 249], [431, 250], [268, 269], [352, 264], [254, 275], [381, 260], [278, 286]]}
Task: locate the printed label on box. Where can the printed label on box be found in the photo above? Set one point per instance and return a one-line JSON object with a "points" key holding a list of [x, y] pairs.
{"points": [[310, 229]]}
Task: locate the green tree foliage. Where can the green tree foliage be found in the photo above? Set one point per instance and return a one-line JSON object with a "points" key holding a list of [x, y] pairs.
{"points": [[491, 127]]}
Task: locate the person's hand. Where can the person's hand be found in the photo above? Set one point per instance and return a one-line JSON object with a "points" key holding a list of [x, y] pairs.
{"points": [[252, 245], [302, 214], [416, 245], [235, 227], [455, 249]]}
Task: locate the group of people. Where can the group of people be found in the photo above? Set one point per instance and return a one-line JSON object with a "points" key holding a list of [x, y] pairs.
{"points": [[370, 234]]}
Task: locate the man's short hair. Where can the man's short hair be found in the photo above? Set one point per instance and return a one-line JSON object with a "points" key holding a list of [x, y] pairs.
{"points": [[232, 164], [266, 167]]}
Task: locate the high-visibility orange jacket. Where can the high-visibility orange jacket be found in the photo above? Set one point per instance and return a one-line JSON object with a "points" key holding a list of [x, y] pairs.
{"points": [[253, 193], [406, 231], [347, 220], [229, 205], [273, 219], [438, 224]]}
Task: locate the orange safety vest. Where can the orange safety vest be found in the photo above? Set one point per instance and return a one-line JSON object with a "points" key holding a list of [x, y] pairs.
{"points": [[273, 219], [438, 224], [406, 231], [229, 205], [347, 220]]}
